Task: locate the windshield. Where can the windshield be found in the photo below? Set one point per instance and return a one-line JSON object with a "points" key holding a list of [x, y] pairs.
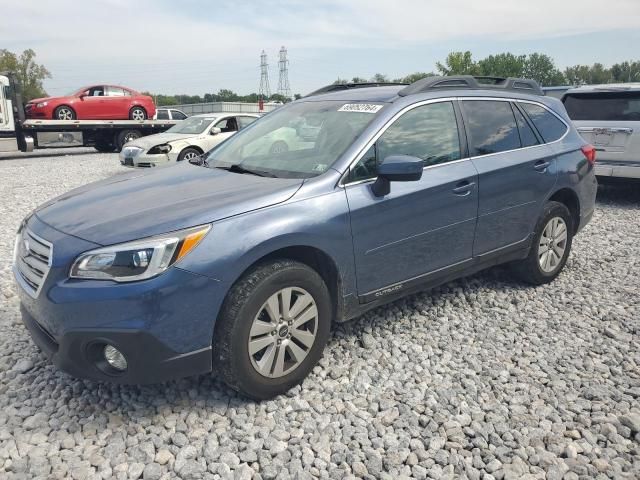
{"points": [[192, 125], [300, 140]]}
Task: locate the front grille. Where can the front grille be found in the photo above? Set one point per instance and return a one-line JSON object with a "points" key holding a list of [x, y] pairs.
{"points": [[33, 260]]}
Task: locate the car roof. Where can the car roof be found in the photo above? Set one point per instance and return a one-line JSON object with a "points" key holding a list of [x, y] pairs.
{"points": [[606, 87]]}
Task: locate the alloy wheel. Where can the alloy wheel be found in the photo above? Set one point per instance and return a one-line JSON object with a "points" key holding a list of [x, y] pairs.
{"points": [[552, 245], [190, 156], [283, 332], [137, 114], [65, 114]]}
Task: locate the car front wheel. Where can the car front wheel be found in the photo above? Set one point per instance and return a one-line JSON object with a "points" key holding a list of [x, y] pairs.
{"points": [[272, 329], [550, 248], [64, 113]]}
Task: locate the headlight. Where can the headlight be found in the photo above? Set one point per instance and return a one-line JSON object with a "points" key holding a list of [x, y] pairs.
{"points": [[41, 104], [166, 148], [137, 260]]}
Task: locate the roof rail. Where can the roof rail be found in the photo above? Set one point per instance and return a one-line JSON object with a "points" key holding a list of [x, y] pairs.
{"points": [[335, 87], [458, 82]]}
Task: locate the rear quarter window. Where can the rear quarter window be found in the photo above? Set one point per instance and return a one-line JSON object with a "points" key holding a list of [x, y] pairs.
{"points": [[607, 106], [491, 126], [550, 127]]}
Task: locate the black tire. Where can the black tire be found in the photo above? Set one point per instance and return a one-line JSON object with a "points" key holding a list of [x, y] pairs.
{"points": [[187, 152], [126, 136], [279, 146], [244, 301], [137, 113], [529, 270], [64, 112]]}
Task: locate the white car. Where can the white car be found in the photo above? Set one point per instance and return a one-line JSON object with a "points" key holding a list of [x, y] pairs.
{"points": [[169, 114], [184, 141]]}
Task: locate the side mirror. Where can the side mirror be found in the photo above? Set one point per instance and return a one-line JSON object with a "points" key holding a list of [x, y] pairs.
{"points": [[396, 168], [215, 131]]}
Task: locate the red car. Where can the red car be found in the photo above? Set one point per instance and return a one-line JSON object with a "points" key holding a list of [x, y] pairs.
{"points": [[108, 102]]}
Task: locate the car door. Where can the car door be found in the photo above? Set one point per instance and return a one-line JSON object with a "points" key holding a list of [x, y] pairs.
{"points": [[116, 103], [516, 171], [228, 126], [420, 227], [92, 104]]}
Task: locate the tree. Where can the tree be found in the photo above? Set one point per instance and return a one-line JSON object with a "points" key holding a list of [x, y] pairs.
{"points": [[625, 72], [502, 65], [378, 77], [29, 73], [414, 77], [541, 68], [458, 63]]}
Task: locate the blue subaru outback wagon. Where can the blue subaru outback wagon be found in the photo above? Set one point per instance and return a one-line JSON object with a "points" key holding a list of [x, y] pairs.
{"points": [[239, 262]]}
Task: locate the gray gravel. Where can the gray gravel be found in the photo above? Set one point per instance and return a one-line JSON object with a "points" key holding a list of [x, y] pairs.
{"points": [[482, 378]]}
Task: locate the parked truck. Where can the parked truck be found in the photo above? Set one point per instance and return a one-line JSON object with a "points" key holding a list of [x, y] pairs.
{"points": [[17, 133]]}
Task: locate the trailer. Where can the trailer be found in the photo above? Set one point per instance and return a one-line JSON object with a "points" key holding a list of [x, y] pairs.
{"points": [[17, 133]]}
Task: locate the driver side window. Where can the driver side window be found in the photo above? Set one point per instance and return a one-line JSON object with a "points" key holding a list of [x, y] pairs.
{"points": [[429, 132]]}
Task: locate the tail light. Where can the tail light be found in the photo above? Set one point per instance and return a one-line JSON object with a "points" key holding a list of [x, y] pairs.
{"points": [[589, 152]]}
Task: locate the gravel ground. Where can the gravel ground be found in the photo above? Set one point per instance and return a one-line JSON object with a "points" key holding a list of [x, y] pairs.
{"points": [[481, 378]]}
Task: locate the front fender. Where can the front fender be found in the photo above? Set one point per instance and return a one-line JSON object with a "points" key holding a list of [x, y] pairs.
{"points": [[233, 245]]}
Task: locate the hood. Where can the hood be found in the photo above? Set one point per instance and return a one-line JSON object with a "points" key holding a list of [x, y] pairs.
{"points": [[46, 99], [144, 203], [159, 139]]}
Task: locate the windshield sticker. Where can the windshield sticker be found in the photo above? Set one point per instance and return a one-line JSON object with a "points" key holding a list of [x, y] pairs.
{"points": [[320, 167], [360, 107]]}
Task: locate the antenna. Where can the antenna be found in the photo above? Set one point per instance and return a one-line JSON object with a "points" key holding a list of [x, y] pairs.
{"points": [[265, 89], [283, 81]]}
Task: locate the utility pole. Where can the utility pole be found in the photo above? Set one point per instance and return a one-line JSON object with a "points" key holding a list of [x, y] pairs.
{"points": [[265, 90], [283, 81]]}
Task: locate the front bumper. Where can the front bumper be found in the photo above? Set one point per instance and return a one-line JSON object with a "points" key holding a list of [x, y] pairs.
{"points": [[144, 160], [78, 353], [163, 325]]}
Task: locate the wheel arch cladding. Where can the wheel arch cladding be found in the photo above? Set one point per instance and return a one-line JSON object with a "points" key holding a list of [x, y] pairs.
{"points": [[314, 258], [570, 199]]}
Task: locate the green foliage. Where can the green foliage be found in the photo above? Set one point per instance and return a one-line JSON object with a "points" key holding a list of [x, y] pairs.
{"points": [[458, 63], [502, 65], [414, 77], [29, 73]]}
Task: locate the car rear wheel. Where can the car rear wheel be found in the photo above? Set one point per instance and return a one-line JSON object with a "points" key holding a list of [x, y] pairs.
{"points": [[550, 248], [137, 113], [126, 136], [189, 154], [272, 328], [64, 113]]}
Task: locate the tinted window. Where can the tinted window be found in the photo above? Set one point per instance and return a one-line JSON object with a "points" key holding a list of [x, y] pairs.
{"points": [[527, 136], [429, 132], [624, 106], [177, 115], [227, 125], [162, 115], [549, 126], [491, 126], [245, 121]]}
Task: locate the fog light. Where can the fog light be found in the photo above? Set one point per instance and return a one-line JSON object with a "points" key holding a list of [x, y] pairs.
{"points": [[115, 358]]}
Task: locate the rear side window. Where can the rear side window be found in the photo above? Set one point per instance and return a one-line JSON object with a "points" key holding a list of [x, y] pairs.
{"points": [[162, 115], [492, 126], [245, 121], [550, 127], [527, 136], [177, 115], [621, 106]]}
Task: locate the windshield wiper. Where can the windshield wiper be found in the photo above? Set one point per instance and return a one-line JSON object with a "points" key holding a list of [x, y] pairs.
{"points": [[237, 168]]}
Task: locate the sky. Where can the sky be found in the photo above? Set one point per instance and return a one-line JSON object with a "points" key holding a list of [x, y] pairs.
{"points": [[199, 46]]}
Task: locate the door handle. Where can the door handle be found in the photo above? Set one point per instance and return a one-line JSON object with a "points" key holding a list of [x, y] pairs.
{"points": [[541, 165], [463, 187]]}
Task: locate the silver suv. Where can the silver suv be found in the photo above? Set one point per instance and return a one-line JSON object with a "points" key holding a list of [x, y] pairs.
{"points": [[608, 117]]}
